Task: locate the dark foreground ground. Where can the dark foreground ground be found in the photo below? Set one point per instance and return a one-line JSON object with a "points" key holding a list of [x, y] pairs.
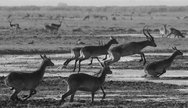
{"points": [[120, 94]]}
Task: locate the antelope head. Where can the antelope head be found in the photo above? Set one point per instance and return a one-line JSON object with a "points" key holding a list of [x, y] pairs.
{"points": [[105, 68], [113, 40], [177, 52], [47, 60], [149, 37]]}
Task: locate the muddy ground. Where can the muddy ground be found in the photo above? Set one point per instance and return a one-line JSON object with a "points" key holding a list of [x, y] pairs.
{"points": [[120, 94]]}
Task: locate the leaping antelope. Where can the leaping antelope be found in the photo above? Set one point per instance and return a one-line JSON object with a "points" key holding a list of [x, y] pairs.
{"points": [[131, 48], [85, 82], [157, 68], [75, 52], [95, 51], [175, 32], [20, 81]]}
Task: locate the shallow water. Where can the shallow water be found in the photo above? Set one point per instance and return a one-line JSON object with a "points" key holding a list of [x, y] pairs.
{"points": [[27, 63]]}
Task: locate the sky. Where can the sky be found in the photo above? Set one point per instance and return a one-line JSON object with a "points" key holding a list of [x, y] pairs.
{"points": [[94, 2]]}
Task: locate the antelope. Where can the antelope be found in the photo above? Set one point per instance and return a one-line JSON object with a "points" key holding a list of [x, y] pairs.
{"points": [[131, 48], [20, 81], [75, 52], [85, 82], [17, 26], [57, 26], [86, 17], [95, 51], [164, 31], [175, 32], [157, 68], [51, 28]]}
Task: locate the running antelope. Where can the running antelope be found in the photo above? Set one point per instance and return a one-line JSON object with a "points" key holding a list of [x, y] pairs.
{"points": [[75, 52], [164, 31], [157, 68], [95, 51], [176, 33], [85, 82], [131, 48], [27, 81]]}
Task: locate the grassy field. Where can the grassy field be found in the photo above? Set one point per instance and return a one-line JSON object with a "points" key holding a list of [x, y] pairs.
{"points": [[33, 38]]}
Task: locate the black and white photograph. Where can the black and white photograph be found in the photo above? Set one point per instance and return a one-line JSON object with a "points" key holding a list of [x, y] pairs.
{"points": [[93, 53]]}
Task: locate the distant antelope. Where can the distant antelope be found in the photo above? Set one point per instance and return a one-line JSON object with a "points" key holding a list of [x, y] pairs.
{"points": [[86, 17], [157, 68], [85, 82], [57, 25], [27, 81], [51, 28], [79, 42], [95, 51], [15, 25], [164, 30], [176, 33], [131, 48]]}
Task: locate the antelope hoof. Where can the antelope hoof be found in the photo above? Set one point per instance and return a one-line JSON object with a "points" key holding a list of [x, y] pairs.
{"points": [[61, 101]]}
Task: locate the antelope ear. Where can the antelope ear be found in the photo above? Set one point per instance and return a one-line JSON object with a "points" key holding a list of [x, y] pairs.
{"points": [[174, 48], [111, 37]]}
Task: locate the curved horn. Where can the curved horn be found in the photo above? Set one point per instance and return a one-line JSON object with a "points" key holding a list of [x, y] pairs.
{"points": [[41, 56], [150, 36], [144, 31]]}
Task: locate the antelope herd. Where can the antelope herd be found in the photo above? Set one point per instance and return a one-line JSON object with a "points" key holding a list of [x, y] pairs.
{"points": [[19, 81]]}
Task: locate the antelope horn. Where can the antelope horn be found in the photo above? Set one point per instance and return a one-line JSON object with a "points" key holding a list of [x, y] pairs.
{"points": [[144, 31], [150, 36]]}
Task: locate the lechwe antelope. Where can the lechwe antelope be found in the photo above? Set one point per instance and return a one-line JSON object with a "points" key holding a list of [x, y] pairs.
{"points": [[75, 54], [95, 51], [27, 81], [57, 26], [164, 31], [15, 25], [176, 33], [85, 82], [131, 48], [50, 28], [157, 68]]}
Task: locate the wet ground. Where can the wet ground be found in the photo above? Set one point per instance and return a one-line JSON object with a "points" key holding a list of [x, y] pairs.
{"points": [[124, 88]]}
